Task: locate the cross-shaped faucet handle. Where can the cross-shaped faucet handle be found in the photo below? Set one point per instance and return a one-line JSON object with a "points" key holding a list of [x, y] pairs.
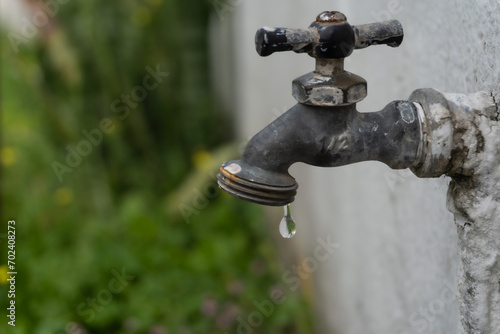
{"points": [[329, 37]]}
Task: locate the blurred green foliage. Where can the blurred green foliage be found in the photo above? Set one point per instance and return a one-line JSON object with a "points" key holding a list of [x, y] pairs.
{"points": [[116, 213]]}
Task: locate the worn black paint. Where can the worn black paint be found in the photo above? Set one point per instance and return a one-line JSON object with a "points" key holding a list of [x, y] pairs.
{"points": [[388, 32], [319, 135], [325, 137], [268, 41], [332, 40], [335, 41]]}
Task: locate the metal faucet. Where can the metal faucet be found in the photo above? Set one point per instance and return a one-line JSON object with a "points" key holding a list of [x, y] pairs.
{"points": [[325, 129], [431, 133]]}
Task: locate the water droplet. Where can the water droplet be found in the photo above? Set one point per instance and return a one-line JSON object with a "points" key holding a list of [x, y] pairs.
{"points": [[287, 225]]}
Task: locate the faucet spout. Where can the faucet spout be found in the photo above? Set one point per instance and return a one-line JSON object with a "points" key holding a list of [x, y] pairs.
{"points": [[325, 137]]}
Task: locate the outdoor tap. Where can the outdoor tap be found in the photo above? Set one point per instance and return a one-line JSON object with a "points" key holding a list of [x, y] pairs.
{"points": [[325, 129], [324, 137], [432, 134]]}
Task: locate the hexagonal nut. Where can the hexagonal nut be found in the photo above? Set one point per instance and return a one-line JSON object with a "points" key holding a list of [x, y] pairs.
{"points": [[356, 93], [329, 91], [320, 96]]}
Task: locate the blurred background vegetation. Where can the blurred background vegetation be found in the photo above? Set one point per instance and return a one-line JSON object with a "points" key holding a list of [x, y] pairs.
{"points": [[143, 203]]}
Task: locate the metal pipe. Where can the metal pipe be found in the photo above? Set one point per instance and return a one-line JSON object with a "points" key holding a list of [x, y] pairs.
{"points": [[325, 137]]}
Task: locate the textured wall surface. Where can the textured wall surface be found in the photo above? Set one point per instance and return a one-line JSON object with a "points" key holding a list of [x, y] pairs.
{"points": [[396, 268], [475, 202]]}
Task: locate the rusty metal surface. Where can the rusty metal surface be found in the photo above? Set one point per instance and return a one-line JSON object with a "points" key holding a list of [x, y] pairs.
{"points": [[452, 136], [329, 39], [325, 137], [329, 36], [324, 129], [388, 32], [331, 17], [256, 185], [338, 89]]}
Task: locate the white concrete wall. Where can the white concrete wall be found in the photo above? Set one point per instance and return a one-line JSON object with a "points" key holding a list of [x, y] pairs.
{"points": [[395, 269]]}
